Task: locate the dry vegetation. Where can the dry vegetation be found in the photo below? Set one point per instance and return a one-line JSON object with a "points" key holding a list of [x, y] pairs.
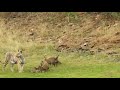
{"points": [[68, 30]]}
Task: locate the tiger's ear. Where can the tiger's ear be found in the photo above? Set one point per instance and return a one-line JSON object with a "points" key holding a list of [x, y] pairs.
{"points": [[20, 51], [41, 63], [57, 56], [45, 56]]}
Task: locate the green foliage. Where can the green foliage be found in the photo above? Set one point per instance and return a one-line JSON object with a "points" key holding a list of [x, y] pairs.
{"points": [[115, 15], [72, 17]]}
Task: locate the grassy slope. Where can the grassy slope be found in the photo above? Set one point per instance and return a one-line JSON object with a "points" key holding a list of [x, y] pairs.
{"points": [[74, 64]]}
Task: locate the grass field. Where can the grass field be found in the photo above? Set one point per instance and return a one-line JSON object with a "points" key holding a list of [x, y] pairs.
{"points": [[74, 65]]}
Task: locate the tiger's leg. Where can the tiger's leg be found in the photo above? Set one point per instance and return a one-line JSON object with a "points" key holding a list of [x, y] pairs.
{"points": [[12, 67], [4, 65], [19, 67], [22, 66]]}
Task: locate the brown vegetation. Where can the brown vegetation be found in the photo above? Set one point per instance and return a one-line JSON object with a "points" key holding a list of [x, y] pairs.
{"points": [[67, 31]]}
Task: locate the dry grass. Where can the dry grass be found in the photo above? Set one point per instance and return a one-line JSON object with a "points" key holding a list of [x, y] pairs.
{"points": [[54, 27]]}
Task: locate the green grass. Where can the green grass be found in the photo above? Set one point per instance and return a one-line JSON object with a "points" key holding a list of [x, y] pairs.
{"points": [[74, 65]]}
